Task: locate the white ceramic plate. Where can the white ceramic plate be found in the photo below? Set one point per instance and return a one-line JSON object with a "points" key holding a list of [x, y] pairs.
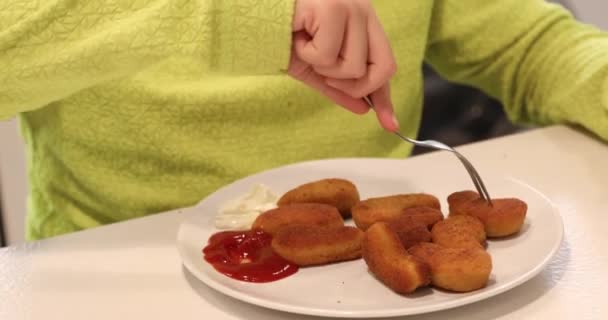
{"points": [[347, 289]]}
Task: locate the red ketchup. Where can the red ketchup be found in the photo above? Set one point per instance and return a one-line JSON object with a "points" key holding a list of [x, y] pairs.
{"points": [[247, 256]]}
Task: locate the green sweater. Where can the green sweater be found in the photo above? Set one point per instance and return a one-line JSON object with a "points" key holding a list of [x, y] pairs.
{"points": [[130, 107]]}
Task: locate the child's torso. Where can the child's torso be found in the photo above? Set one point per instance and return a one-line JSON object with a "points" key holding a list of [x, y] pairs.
{"points": [[173, 133]]}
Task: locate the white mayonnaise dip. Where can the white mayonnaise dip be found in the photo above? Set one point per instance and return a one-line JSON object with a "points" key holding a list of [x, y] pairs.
{"points": [[239, 214]]}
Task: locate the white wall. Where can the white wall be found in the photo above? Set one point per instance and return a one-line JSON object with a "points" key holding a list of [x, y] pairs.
{"points": [[591, 11], [13, 184]]}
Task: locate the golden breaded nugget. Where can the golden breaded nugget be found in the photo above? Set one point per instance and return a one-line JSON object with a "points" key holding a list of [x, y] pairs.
{"points": [[339, 193], [309, 214], [412, 225], [460, 231], [426, 215], [455, 269], [389, 261], [424, 250], [503, 218], [410, 231], [367, 212], [457, 200], [307, 246]]}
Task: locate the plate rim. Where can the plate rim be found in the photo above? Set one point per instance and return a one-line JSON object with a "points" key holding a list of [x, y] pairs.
{"points": [[311, 311]]}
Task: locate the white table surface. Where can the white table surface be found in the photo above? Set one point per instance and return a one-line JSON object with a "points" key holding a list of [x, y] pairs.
{"points": [[131, 270]]}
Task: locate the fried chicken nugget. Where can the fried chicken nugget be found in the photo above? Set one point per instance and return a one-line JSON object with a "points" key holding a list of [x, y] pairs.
{"points": [[424, 251], [459, 200], [367, 212], [309, 214], [339, 193], [307, 246], [504, 217], [460, 231], [390, 262], [425, 215], [455, 269], [410, 230]]}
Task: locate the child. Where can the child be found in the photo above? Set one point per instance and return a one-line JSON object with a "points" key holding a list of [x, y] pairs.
{"points": [[134, 107]]}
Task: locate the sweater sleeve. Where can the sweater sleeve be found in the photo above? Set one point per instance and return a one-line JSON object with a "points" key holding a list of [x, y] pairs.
{"points": [[50, 49], [543, 65]]}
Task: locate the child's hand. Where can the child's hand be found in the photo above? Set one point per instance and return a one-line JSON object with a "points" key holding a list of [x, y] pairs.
{"points": [[341, 50]]}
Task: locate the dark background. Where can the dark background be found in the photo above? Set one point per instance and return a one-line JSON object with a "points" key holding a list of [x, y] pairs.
{"points": [[456, 115]]}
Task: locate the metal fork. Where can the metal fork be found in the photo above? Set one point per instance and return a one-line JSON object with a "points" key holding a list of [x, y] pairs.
{"points": [[432, 144]]}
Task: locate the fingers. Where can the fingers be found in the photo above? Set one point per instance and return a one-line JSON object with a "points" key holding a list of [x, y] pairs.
{"points": [[326, 34], [300, 70], [352, 63], [380, 70], [317, 82], [340, 49], [384, 108]]}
